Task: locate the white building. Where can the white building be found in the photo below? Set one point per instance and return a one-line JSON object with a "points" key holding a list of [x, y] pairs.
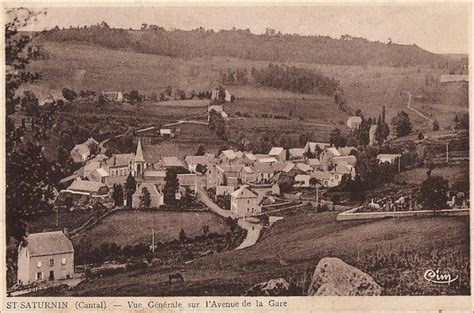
{"points": [[244, 202]]}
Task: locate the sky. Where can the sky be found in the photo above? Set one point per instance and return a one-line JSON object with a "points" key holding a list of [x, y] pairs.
{"points": [[439, 28]]}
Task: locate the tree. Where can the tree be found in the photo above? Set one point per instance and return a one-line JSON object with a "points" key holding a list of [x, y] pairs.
{"points": [[93, 148], [435, 125], [462, 121], [433, 192], [337, 139], [171, 186], [205, 230], [117, 194], [285, 182], [69, 94], [130, 188], [402, 124], [134, 97], [145, 199], [30, 103], [201, 150], [30, 177]]}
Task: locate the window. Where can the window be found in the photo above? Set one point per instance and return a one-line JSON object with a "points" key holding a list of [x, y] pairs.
{"points": [[51, 262], [63, 261], [39, 276], [38, 264]]}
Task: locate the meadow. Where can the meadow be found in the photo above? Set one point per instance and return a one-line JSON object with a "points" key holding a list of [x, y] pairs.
{"points": [[82, 66], [132, 227], [456, 174]]}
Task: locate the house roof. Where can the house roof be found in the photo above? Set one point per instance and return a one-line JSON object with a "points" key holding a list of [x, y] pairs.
{"points": [[151, 173], [165, 131], [250, 156], [320, 175], [314, 162], [263, 168], [172, 162], [303, 167], [389, 155], [333, 151], [243, 192], [297, 152], [267, 160], [239, 154], [279, 166], [85, 185], [102, 172], [48, 243], [275, 151], [288, 167], [346, 150], [229, 154], [91, 166], [196, 159], [186, 179], [348, 159], [247, 170], [120, 160], [354, 119], [82, 149], [343, 168]]}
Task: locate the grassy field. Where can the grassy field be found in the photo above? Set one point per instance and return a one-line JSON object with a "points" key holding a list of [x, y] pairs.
{"points": [[458, 173], [81, 66], [293, 247], [66, 219], [130, 227]]}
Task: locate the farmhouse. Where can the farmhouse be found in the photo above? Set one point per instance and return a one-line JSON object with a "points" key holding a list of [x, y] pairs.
{"points": [[99, 175], [227, 156], [45, 256], [315, 147], [113, 96], [187, 181], [302, 180], [192, 161], [354, 122], [263, 173], [344, 151], [244, 202], [349, 159], [389, 158], [169, 162], [81, 152], [247, 175], [327, 179], [120, 164], [88, 187], [297, 154], [156, 196], [314, 163]]}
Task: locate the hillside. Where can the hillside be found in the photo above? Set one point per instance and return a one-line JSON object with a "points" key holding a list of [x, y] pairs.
{"points": [[272, 46], [301, 240]]}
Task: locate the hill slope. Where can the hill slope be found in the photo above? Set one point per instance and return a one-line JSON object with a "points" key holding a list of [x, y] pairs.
{"points": [[275, 47]]}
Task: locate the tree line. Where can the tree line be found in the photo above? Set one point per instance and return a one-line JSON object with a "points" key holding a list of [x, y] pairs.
{"points": [[271, 46]]}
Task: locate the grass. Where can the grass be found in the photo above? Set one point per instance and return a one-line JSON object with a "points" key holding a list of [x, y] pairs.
{"points": [[131, 227], [290, 248], [458, 173], [69, 220]]}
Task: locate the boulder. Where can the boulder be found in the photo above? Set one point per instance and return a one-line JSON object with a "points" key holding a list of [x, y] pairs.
{"points": [[273, 287], [334, 277]]}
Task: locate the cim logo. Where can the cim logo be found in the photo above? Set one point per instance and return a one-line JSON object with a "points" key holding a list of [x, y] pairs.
{"points": [[434, 276]]}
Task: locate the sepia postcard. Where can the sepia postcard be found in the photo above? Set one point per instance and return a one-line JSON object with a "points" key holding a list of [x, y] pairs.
{"points": [[236, 156]]}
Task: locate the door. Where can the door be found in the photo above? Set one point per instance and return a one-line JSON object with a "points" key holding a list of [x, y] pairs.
{"points": [[51, 275]]}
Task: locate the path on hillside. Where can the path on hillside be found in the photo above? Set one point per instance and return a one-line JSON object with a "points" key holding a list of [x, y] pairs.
{"points": [[415, 110], [253, 230]]}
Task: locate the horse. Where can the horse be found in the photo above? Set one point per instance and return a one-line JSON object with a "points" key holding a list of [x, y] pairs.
{"points": [[176, 277]]}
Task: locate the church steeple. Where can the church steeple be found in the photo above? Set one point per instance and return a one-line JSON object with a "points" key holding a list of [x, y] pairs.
{"points": [[139, 153]]}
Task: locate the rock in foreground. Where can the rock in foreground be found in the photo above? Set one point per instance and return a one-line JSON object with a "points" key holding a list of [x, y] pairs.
{"points": [[273, 287], [334, 277]]}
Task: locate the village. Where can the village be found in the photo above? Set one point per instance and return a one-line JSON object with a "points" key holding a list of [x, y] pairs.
{"points": [[144, 160], [253, 190]]}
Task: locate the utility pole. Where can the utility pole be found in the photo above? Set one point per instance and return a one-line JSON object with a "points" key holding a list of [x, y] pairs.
{"points": [[317, 194], [447, 152], [399, 158], [153, 240], [57, 217]]}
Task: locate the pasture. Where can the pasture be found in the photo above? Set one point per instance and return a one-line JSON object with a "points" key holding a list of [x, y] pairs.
{"points": [[132, 227], [82, 66], [292, 248], [456, 174]]}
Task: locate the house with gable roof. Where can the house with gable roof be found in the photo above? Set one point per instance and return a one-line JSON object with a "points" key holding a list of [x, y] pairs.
{"points": [[45, 256], [244, 202], [278, 153]]}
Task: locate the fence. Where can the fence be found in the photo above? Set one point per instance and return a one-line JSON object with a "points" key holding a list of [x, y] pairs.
{"points": [[354, 215]]}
